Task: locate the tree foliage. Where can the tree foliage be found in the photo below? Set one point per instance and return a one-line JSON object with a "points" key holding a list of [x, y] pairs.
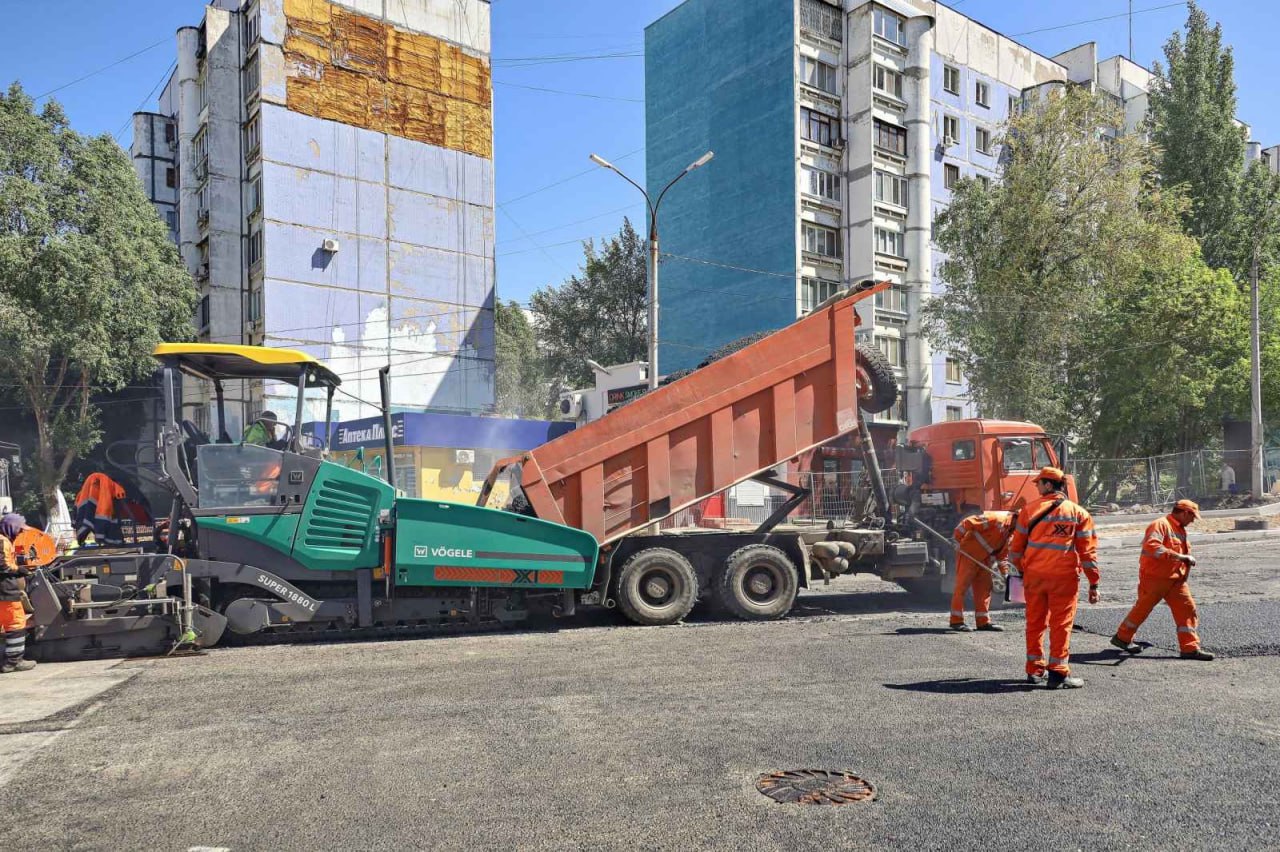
{"points": [[600, 313], [1073, 298], [89, 281], [521, 383], [1193, 124]]}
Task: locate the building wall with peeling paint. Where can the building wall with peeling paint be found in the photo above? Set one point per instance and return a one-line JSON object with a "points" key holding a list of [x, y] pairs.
{"points": [[367, 123]]}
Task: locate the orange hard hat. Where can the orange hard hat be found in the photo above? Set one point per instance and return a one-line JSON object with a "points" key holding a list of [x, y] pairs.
{"points": [[1188, 506], [1052, 474]]}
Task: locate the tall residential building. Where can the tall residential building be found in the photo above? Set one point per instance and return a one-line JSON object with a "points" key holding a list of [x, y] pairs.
{"points": [[839, 129], [326, 169]]}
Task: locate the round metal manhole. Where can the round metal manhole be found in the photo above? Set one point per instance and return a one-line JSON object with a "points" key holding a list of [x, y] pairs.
{"points": [[815, 787]]}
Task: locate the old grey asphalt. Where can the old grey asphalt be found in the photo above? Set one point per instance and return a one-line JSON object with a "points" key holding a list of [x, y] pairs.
{"points": [[622, 737]]}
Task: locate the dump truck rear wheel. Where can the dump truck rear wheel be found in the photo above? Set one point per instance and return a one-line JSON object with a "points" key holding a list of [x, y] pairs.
{"points": [[657, 586], [757, 583], [877, 385]]}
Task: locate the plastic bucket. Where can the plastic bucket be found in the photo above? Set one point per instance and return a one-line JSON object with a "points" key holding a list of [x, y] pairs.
{"points": [[1013, 591]]}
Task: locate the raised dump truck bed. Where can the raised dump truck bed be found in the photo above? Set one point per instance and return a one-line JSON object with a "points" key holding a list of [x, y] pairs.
{"points": [[722, 424]]}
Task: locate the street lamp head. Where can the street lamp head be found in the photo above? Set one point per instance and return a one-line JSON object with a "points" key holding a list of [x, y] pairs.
{"points": [[701, 161], [601, 161]]}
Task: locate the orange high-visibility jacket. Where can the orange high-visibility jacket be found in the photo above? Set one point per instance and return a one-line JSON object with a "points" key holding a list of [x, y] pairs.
{"points": [[1164, 539], [1062, 543], [103, 491], [988, 532]]}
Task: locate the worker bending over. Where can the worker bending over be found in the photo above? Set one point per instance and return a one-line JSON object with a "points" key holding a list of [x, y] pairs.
{"points": [[1163, 568], [983, 540], [1053, 540]]}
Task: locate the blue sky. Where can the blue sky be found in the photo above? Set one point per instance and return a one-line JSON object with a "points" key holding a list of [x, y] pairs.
{"points": [[549, 195]]}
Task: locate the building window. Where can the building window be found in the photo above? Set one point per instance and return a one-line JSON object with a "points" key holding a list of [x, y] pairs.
{"points": [[984, 181], [815, 291], [255, 304], [982, 94], [887, 80], [950, 175], [249, 76], [821, 19], [891, 138], [252, 135], [255, 195], [822, 184], [1015, 104], [890, 242], [171, 219], [953, 371], [896, 412], [820, 127], [202, 314], [250, 28], [951, 79], [891, 188], [954, 412], [170, 132], [255, 247], [950, 130], [894, 350], [890, 27], [820, 75], [982, 140], [894, 299], [202, 88], [171, 178], [821, 241]]}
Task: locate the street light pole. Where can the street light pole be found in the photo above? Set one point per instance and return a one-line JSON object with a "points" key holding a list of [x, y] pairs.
{"points": [[653, 249], [1255, 358]]}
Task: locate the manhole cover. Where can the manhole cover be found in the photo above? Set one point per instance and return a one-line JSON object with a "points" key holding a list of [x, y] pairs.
{"points": [[815, 787]]}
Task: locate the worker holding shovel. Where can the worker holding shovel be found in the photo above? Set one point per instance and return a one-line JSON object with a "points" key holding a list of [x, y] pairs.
{"points": [[1163, 569], [983, 544]]}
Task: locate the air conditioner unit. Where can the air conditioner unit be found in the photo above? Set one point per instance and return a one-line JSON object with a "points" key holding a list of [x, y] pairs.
{"points": [[464, 456], [330, 245], [571, 405], [838, 144], [948, 142]]}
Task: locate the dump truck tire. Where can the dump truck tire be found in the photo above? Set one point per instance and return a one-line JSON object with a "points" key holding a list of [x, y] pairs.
{"points": [[657, 586], [757, 583], [877, 385]]}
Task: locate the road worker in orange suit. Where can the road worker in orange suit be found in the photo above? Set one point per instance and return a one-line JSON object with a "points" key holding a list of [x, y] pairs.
{"points": [[1053, 541], [1163, 568], [983, 540], [13, 618]]}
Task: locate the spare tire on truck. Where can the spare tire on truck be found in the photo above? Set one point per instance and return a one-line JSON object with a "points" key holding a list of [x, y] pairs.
{"points": [[877, 385]]}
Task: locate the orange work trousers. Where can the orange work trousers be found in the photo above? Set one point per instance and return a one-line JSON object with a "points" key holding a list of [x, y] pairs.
{"points": [[1174, 592], [12, 616], [1051, 603], [969, 575]]}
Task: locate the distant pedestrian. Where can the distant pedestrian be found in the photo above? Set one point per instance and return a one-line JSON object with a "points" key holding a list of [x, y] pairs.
{"points": [[983, 540], [1053, 541], [1228, 478], [1163, 568], [13, 617]]}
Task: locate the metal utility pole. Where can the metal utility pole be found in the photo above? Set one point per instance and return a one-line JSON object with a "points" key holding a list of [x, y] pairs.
{"points": [[1255, 365], [653, 249], [1130, 30]]}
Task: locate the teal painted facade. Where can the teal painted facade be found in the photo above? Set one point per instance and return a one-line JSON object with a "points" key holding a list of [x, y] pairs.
{"points": [[720, 77]]}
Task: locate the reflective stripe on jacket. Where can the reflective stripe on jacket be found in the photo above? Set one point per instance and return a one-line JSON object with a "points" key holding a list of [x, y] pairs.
{"points": [[987, 532], [103, 491], [1063, 542], [1164, 540]]}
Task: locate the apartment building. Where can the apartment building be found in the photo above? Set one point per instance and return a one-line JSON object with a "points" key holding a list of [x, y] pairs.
{"points": [[326, 169], [839, 130]]}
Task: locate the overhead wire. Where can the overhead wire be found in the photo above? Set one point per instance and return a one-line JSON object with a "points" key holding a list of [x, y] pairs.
{"points": [[166, 40], [1103, 18]]}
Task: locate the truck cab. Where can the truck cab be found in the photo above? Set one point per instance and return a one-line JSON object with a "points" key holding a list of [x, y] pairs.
{"points": [[981, 465]]}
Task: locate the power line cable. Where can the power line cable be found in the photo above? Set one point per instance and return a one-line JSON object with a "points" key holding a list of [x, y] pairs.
{"points": [[1104, 18], [168, 71], [94, 73], [565, 92], [565, 180]]}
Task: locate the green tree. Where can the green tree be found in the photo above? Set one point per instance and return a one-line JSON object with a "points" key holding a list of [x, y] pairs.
{"points": [[600, 314], [89, 281], [1193, 124], [521, 384], [1035, 262]]}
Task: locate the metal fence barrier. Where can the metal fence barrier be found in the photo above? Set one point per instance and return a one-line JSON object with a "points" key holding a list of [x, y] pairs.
{"points": [[1201, 475]]}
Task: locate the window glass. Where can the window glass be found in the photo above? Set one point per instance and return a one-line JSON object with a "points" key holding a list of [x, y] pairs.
{"points": [[963, 451], [982, 94], [951, 79], [891, 138], [890, 27], [231, 475], [1018, 454]]}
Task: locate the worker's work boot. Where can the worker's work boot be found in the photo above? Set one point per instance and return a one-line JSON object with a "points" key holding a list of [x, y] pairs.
{"points": [[1061, 681], [990, 626], [1036, 680], [1127, 647], [962, 628], [20, 666], [1197, 654]]}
